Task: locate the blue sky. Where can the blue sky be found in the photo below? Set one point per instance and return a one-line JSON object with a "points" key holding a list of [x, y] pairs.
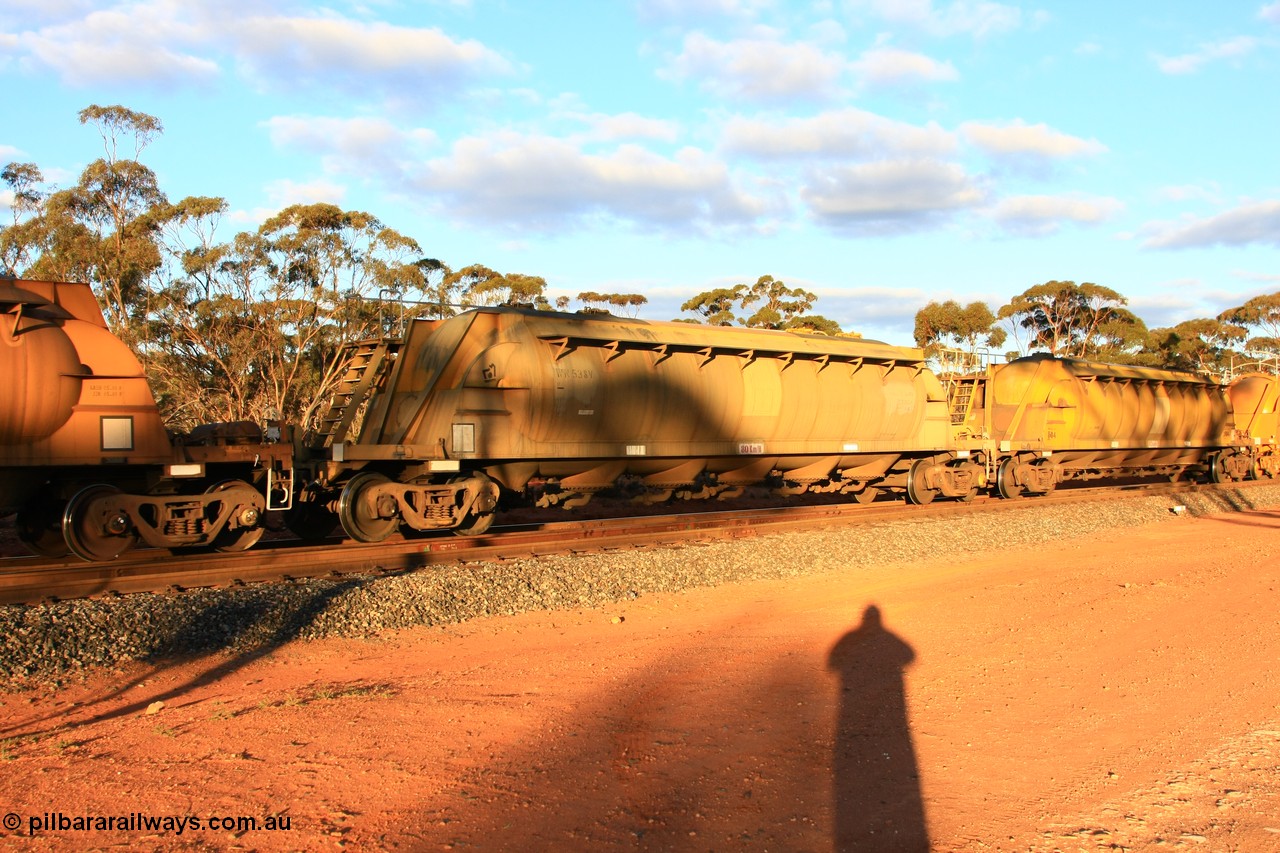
{"points": [[880, 153]]}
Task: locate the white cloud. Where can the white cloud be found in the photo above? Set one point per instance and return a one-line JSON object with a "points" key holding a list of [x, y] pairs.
{"points": [[757, 69], [168, 43], [1249, 275], [878, 303], [1270, 12], [541, 182], [149, 43], [1210, 191], [1257, 222], [972, 17], [284, 193], [663, 10], [1018, 138], [1041, 215], [886, 66], [1175, 301], [359, 138], [357, 55], [612, 128], [847, 132], [1233, 48], [24, 14], [889, 196], [828, 32]]}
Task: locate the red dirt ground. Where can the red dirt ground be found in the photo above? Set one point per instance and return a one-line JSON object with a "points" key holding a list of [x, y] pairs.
{"points": [[1089, 695]]}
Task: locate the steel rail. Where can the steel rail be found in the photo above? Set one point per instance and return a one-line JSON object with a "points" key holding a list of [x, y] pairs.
{"points": [[31, 580]]}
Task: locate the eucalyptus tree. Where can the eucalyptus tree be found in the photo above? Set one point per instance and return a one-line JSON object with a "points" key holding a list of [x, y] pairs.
{"points": [[21, 240], [949, 325], [716, 307], [314, 277], [1121, 339], [1201, 344], [778, 304], [478, 285], [816, 324], [1075, 320], [1261, 315], [627, 303], [199, 343], [104, 224], [257, 328]]}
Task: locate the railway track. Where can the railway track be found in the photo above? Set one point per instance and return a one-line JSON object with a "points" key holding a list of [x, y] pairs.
{"points": [[32, 580]]}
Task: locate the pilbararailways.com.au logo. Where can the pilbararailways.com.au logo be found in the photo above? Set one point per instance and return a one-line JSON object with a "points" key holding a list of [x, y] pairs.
{"points": [[142, 822]]}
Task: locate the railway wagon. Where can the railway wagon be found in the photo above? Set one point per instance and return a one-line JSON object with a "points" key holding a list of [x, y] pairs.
{"points": [[85, 461], [1255, 402], [1039, 421], [561, 406]]}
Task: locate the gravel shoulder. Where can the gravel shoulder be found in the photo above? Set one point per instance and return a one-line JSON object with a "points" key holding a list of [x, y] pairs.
{"points": [[1098, 677]]}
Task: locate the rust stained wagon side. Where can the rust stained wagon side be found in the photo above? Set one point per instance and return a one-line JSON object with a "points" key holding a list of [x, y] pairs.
{"points": [[1039, 421], [562, 406]]}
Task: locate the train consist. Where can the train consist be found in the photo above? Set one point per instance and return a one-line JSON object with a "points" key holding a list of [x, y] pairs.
{"points": [[430, 431]]}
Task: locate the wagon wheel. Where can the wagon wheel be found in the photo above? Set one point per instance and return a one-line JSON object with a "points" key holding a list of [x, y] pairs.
{"points": [[39, 527], [917, 490], [474, 524], [1218, 471], [1004, 480], [867, 495], [359, 513], [92, 532], [239, 538]]}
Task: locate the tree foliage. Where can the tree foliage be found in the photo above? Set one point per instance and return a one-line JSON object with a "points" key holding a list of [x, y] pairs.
{"points": [[259, 324], [627, 303], [1199, 345], [477, 285], [109, 210], [1260, 315], [1076, 320], [816, 324], [715, 307], [776, 306], [951, 325], [102, 229], [21, 241]]}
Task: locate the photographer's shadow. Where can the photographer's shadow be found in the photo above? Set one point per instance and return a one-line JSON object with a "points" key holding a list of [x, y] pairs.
{"points": [[878, 804]]}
